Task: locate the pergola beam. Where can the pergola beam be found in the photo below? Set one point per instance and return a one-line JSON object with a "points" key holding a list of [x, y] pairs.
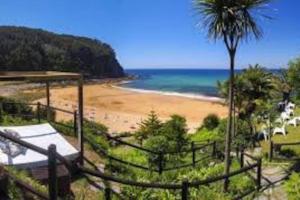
{"points": [[48, 100], [47, 77], [80, 119]]}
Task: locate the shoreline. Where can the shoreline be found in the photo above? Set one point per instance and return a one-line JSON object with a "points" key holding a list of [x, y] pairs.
{"points": [[119, 85], [122, 109], [169, 93]]}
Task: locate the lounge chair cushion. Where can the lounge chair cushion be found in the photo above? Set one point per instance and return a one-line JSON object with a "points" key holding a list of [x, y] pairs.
{"points": [[10, 148]]}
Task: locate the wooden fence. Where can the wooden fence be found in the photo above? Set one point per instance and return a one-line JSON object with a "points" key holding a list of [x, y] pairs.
{"points": [[184, 187], [277, 147]]}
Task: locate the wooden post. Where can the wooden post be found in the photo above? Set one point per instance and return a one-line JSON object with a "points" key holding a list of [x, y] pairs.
{"points": [[258, 175], [214, 151], [237, 152], [1, 111], [194, 153], [38, 110], [48, 101], [185, 190], [271, 151], [242, 158], [80, 119], [107, 193], [52, 179], [75, 122], [160, 162]]}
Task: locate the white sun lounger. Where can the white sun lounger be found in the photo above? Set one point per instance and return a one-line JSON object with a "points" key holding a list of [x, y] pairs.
{"points": [[41, 135]]}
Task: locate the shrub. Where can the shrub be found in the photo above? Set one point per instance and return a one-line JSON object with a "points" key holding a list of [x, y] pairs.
{"points": [[11, 106], [175, 131], [19, 108], [211, 122], [291, 187], [43, 113]]}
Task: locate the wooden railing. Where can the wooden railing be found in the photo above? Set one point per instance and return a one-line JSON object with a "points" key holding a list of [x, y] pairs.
{"points": [[184, 186], [276, 147], [52, 165]]}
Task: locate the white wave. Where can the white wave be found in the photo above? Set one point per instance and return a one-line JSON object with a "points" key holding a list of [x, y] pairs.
{"points": [[186, 95]]}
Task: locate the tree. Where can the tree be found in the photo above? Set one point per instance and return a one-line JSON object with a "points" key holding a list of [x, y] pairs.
{"points": [[166, 137], [253, 87], [29, 49], [231, 21], [293, 78], [148, 127]]}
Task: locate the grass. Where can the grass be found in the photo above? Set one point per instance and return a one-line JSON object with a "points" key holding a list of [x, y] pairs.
{"points": [[293, 135]]}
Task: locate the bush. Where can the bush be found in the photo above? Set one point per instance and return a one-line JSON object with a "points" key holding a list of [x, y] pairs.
{"points": [[175, 131], [211, 122], [19, 108], [11, 106], [292, 188], [43, 113]]}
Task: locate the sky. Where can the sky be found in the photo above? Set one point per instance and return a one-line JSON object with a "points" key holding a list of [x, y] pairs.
{"points": [[159, 33]]}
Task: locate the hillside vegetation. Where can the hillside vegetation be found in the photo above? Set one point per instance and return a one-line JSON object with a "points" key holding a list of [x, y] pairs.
{"points": [[34, 49]]}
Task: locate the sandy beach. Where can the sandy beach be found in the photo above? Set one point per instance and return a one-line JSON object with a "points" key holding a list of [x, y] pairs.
{"points": [[122, 110]]}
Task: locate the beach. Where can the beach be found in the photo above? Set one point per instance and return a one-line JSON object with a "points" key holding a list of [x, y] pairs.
{"points": [[122, 109]]}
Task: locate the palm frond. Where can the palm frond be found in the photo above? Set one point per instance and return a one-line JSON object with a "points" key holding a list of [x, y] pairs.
{"points": [[236, 19]]}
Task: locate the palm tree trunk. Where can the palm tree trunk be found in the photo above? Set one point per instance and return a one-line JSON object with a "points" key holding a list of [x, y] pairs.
{"points": [[230, 121]]}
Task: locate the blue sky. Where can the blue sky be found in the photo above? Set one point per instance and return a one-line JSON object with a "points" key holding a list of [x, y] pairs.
{"points": [[158, 33]]}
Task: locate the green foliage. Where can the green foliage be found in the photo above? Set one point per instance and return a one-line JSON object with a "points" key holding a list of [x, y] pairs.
{"points": [[171, 136], [148, 127], [34, 49], [158, 143], [253, 86], [293, 78], [12, 106], [243, 136], [211, 122], [205, 135], [238, 184], [292, 187], [43, 113], [175, 131], [92, 130], [16, 193], [230, 26], [16, 121], [20, 109], [222, 127]]}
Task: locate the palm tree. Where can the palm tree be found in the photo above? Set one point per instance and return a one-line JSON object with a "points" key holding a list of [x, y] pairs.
{"points": [[231, 21]]}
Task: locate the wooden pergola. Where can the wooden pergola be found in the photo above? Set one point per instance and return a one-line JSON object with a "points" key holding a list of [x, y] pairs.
{"points": [[47, 77]]}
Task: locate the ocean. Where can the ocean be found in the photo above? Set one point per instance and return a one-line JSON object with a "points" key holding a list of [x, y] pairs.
{"points": [[195, 83]]}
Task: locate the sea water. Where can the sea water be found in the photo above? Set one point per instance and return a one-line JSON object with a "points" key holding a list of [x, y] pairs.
{"points": [[195, 83]]}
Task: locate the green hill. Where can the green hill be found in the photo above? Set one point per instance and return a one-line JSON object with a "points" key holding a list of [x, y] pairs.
{"points": [[34, 49]]}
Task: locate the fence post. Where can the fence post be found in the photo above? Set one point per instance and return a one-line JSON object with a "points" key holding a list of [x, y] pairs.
{"points": [[258, 175], [184, 190], [242, 158], [271, 151], [52, 179], [107, 193], [214, 151], [38, 110], [1, 111], [160, 162], [194, 153], [75, 122]]}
